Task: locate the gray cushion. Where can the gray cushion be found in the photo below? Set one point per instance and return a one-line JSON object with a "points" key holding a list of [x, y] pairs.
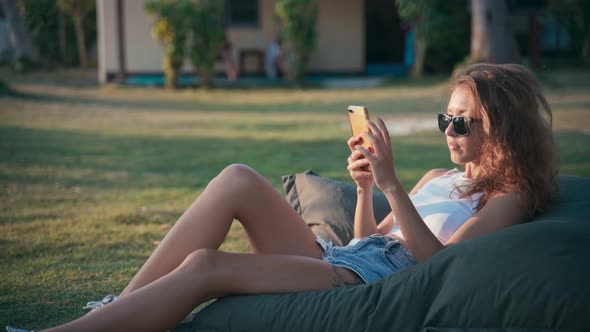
{"points": [[529, 277], [327, 206]]}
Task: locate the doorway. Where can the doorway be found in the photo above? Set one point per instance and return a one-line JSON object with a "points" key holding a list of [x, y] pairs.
{"points": [[384, 38]]}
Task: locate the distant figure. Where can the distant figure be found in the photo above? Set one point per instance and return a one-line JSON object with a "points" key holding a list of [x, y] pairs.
{"points": [[228, 59], [274, 61]]}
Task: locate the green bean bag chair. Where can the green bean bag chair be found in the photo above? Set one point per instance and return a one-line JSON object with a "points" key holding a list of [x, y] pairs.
{"points": [[530, 277]]}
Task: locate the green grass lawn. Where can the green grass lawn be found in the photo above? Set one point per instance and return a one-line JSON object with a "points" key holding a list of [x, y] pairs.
{"points": [[92, 177]]}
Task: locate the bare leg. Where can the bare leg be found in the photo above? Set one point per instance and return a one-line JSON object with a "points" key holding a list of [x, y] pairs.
{"points": [[207, 274], [238, 192]]}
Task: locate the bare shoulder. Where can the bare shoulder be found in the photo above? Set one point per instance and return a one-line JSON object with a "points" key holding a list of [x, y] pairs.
{"points": [[511, 203], [433, 173], [500, 211]]}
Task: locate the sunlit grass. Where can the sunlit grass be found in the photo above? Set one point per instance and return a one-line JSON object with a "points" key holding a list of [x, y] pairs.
{"points": [[91, 178]]}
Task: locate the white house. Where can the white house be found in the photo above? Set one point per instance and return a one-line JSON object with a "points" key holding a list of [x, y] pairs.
{"points": [[352, 35]]}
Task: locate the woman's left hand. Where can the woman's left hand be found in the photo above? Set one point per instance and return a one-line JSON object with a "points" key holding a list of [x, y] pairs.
{"points": [[381, 159]]}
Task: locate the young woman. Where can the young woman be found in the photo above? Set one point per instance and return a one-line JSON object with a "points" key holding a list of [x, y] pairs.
{"points": [[497, 126]]}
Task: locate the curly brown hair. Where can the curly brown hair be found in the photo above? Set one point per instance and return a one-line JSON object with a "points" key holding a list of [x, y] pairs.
{"points": [[518, 153]]}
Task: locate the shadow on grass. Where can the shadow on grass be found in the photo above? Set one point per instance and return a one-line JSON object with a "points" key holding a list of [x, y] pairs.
{"points": [[395, 105], [6, 90], [47, 157], [424, 102], [573, 78], [41, 156]]}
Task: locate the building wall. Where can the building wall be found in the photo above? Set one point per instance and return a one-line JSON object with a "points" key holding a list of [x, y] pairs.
{"points": [[341, 37], [340, 43], [108, 60]]}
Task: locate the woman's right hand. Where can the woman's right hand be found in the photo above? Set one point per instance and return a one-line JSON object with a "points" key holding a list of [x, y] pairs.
{"points": [[358, 165]]}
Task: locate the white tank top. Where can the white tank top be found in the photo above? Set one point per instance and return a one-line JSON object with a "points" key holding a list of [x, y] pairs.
{"points": [[440, 206]]}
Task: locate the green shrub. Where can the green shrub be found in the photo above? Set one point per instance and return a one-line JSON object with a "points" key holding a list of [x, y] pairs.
{"points": [[299, 19], [170, 28], [206, 27], [441, 37], [194, 24], [575, 16], [4, 89], [449, 40]]}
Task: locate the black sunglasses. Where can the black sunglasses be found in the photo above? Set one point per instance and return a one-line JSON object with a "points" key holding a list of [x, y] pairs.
{"points": [[460, 123]]}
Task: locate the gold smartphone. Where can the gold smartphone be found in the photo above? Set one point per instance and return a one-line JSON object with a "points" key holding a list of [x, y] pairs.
{"points": [[358, 116]]}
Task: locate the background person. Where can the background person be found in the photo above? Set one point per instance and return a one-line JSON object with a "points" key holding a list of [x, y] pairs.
{"points": [[227, 55], [274, 61]]}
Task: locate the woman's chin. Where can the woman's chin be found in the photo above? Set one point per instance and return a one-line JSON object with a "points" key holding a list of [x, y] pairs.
{"points": [[457, 158]]}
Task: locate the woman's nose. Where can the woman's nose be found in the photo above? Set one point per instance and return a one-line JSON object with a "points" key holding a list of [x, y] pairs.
{"points": [[450, 131]]}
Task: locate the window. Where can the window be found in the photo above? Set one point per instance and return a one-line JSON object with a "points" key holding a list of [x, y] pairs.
{"points": [[243, 13]]}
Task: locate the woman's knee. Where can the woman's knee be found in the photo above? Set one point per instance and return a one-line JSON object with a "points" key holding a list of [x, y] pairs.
{"points": [[238, 175], [237, 170], [200, 260]]}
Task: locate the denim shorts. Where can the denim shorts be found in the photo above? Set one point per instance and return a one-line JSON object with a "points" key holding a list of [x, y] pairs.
{"points": [[372, 258]]}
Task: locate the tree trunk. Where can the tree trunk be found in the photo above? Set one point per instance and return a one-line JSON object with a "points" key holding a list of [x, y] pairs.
{"points": [[79, 25], [419, 55], [61, 23], [19, 35], [586, 49], [492, 38]]}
